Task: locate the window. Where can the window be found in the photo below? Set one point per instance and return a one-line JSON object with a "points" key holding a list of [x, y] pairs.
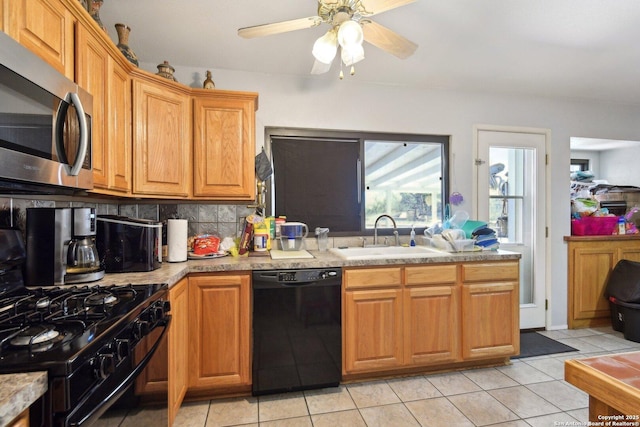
{"points": [[578, 165], [344, 180]]}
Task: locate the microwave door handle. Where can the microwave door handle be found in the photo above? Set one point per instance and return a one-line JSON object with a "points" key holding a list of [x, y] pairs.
{"points": [[73, 99], [84, 135]]}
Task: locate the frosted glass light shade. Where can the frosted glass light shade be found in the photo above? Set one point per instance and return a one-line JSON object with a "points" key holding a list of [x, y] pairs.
{"points": [[352, 54], [325, 48], [350, 33]]}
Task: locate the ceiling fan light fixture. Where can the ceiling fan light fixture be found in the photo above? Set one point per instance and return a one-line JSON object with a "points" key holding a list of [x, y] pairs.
{"points": [[350, 33], [352, 54], [325, 47]]}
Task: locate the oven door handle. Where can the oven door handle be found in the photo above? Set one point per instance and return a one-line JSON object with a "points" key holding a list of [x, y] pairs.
{"points": [[97, 410]]}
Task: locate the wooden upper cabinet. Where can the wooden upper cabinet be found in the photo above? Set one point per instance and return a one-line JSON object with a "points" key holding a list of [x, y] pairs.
{"points": [[161, 137], [118, 132], [224, 144], [92, 70], [101, 74], [46, 27]]}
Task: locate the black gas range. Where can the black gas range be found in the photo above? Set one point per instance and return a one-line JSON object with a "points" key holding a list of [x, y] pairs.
{"points": [[84, 337]]}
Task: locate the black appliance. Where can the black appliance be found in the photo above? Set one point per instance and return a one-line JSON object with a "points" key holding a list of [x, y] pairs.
{"points": [[129, 244], [297, 336], [61, 246], [83, 336], [45, 126]]}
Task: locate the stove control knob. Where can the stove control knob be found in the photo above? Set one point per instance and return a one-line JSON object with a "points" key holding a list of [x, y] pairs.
{"points": [[122, 348], [140, 329], [104, 365]]}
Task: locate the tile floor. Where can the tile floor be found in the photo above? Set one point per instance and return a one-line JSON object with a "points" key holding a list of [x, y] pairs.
{"points": [[529, 392]]}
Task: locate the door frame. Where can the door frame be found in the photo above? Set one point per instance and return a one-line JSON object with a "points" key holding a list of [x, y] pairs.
{"points": [[547, 211]]}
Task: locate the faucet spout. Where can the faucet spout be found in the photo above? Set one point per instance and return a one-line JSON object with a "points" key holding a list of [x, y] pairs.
{"points": [[375, 228]]}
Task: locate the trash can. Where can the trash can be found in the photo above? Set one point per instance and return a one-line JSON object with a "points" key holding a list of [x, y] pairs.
{"points": [[623, 293]]}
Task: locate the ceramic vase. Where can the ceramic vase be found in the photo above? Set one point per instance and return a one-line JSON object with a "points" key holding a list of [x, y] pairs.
{"points": [[94, 11], [123, 43], [166, 70]]}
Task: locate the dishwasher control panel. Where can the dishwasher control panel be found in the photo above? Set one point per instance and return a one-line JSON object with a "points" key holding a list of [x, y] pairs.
{"points": [[308, 275], [303, 275]]}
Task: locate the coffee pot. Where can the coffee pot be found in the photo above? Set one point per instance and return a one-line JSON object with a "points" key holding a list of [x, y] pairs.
{"points": [[82, 256]]}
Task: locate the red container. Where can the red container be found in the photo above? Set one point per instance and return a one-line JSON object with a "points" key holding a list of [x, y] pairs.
{"points": [[594, 226]]}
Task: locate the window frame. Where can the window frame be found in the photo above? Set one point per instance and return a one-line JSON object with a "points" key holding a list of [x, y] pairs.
{"points": [[361, 136]]}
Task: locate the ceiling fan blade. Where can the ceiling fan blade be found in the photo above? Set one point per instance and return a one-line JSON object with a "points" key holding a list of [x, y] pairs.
{"points": [[279, 27], [387, 40], [373, 7]]}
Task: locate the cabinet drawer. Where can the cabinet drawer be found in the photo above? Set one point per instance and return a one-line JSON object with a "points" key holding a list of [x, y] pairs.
{"points": [[483, 272], [430, 275], [372, 278]]}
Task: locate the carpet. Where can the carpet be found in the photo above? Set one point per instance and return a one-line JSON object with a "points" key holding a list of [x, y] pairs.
{"points": [[535, 344]]}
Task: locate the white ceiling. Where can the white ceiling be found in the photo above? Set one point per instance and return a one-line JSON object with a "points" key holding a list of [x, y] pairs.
{"points": [[587, 49]]}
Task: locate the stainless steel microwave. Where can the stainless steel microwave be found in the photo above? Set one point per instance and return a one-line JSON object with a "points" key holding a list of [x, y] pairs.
{"points": [[45, 126]]}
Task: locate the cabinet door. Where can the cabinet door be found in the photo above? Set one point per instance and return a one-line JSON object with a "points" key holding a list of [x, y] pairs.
{"points": [[432, 325], [118, 132], [490, 315], [588, 272], [224, 145], [46, 28], [629, 250], [92, 70], [219, 331], [372, 330], [178, 342], [431, 314], [161, 139]]}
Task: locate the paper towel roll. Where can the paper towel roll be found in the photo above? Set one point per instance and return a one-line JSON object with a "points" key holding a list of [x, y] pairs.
{"points": [[177, 240]]}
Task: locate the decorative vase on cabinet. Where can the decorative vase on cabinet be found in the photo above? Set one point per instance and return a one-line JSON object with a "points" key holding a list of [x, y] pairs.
{"points": [[123, 43]]}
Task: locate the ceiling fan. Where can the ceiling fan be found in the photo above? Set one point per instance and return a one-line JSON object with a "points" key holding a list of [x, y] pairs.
{"points": [[349, 26]]}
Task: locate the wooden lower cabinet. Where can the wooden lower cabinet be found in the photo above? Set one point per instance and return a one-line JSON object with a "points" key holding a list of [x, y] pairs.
{"points": [[21, 420], [165, 377], [591, 259], [490, 310], [178, 342], [372, 330], [431, 315], [398, 318], [219, 331]]}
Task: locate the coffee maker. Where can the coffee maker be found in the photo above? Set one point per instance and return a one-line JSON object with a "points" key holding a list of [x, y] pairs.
{"points": [[61, 247]]}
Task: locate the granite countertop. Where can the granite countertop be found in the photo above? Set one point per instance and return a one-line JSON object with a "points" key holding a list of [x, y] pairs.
{"points": [[18, 392], [171, 273]]}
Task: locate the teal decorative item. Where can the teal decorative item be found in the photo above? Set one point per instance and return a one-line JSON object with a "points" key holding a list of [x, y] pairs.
{"points": [[123, 43]]}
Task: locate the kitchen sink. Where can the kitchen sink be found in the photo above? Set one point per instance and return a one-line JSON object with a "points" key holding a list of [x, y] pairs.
{"points": [[388, 252]]}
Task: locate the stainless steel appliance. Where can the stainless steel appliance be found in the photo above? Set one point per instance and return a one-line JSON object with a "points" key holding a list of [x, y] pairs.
{"points": [[129, 244], [61, 246], [45, 125], [297, 337], [84, 337]]}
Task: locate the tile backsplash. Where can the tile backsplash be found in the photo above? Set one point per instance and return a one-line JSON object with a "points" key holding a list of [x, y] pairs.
{"points": [[224, 220]]}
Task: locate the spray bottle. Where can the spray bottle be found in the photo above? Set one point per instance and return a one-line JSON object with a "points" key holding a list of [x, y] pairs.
{"points": [[413, 237]]}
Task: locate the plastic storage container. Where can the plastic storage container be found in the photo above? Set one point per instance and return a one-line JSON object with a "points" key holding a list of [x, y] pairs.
{"points": [[594, 226], [623, 292]]}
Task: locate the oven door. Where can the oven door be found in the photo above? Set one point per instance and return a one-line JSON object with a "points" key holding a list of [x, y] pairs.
{"points": [[116, 383]]}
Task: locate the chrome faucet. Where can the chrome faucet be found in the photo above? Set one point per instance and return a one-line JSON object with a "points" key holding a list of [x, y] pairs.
{"points": [[375, 229]]}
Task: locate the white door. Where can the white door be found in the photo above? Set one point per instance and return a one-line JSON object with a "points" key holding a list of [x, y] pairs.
{"points": [[511, 197]]}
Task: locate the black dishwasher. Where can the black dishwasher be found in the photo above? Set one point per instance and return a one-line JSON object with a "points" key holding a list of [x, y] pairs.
{"points": [[297, 341]]}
